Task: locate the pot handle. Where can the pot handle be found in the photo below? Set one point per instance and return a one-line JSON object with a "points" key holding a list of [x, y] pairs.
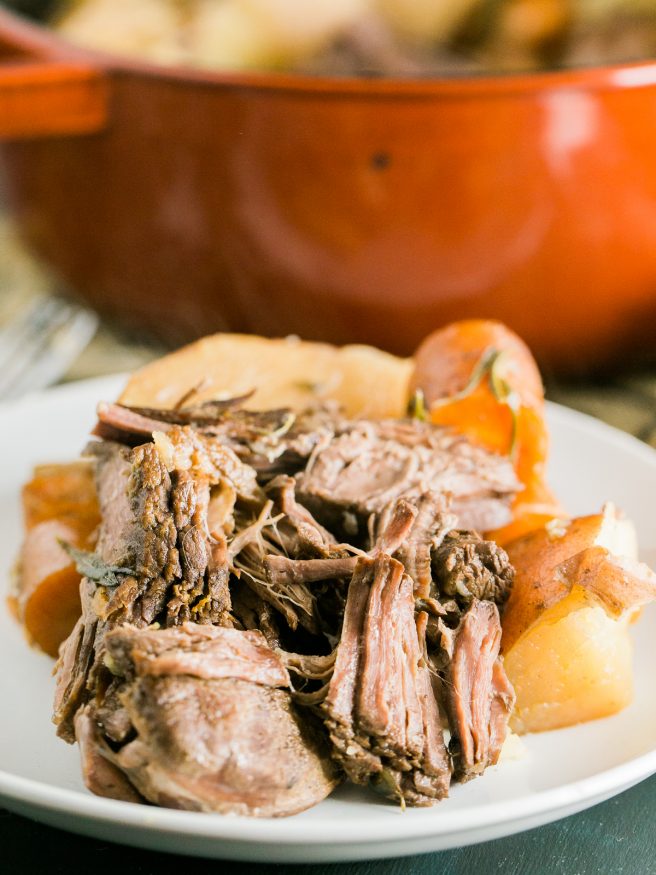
{"points": [[42, 96]]}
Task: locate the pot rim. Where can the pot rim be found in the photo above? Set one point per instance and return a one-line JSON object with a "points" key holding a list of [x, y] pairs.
{"points": [[34, 37]]}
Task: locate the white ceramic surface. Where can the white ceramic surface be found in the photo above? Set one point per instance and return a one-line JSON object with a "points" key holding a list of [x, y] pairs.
{"points": [[562, 772]]}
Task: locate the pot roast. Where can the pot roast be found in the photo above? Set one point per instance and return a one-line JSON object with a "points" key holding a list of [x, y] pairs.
{"points": [[280, 602]]}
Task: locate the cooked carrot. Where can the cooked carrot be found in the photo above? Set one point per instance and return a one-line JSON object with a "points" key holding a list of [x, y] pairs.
{"points": [[480, 378], [59, 503], [63, 492], [48, 599]]}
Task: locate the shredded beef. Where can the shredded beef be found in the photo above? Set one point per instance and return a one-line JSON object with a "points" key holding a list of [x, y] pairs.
{"points": [[479, 697], [380, 710], [465, 567], [369, 464], [294, 598]]}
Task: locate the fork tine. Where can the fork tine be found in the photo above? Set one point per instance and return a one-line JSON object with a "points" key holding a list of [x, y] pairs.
{"points": [[22, 329], [45, 342], [23, 339]]}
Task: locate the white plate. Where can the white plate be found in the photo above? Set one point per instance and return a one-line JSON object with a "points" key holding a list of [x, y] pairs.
{"points": [[561, 773]]}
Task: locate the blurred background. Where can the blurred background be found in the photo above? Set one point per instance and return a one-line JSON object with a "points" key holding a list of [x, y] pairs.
{"points": [[346, 170]]}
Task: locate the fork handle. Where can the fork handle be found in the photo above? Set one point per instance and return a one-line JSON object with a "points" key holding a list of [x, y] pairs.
{"points": [[42, 94]]}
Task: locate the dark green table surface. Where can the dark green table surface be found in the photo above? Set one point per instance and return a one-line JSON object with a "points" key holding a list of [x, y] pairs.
{"points": [[615, 838]]}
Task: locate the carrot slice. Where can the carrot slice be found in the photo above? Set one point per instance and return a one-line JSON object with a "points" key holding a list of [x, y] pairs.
{"points": [[48, 600], [64, 492], [479, 378], [59, 504]]}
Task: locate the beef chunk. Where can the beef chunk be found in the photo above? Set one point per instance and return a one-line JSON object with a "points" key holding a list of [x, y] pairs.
{"points": [[465, 567], [74, 665], [271, 441], [428, 530], [100, 775], [394, 526], [369, 464], [282, 572], [479, 696], [380, 710], [215, 728], [252, 612], [298, 531]]}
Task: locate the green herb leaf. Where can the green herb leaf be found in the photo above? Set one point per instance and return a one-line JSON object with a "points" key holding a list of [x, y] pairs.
{"points": [[92, 566], [417, 406]]}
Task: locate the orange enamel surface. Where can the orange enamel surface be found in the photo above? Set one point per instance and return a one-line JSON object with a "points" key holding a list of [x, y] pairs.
{"points": [[355, 211]]}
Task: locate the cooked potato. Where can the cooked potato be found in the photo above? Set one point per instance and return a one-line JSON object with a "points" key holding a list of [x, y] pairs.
{"points": [[565, 629], [284, 373], [149, 29], [243, 34]]}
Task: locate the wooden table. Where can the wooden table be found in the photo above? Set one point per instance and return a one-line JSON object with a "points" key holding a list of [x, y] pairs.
{"points": [[618, 836]]}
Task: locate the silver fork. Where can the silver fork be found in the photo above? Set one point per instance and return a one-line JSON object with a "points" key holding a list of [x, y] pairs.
{"points": [[41, 343]]}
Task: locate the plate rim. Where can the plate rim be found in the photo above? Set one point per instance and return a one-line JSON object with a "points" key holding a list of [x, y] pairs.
{"points": [[430, 823]]}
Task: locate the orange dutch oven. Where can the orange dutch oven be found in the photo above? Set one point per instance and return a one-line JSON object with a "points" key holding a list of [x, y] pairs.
{"points": [[372, 210]]}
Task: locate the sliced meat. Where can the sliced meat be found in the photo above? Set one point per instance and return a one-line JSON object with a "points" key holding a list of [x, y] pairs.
{"points": [[271, 442], [183, 448], [393, 526], [380, 710], [281, 571], [261, 549], [252, 612], [133, 425], [370, 464], [217, 742], [207, 652], [202, 593], [137, 530], [479, 696]]}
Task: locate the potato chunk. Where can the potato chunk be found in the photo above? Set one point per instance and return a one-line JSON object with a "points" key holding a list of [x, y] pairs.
{"points": [[575, 665], [565, 630], [281, 372]]}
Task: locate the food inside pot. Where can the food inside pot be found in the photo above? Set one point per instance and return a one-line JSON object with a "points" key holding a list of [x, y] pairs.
{"points": [[362, 37]]}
